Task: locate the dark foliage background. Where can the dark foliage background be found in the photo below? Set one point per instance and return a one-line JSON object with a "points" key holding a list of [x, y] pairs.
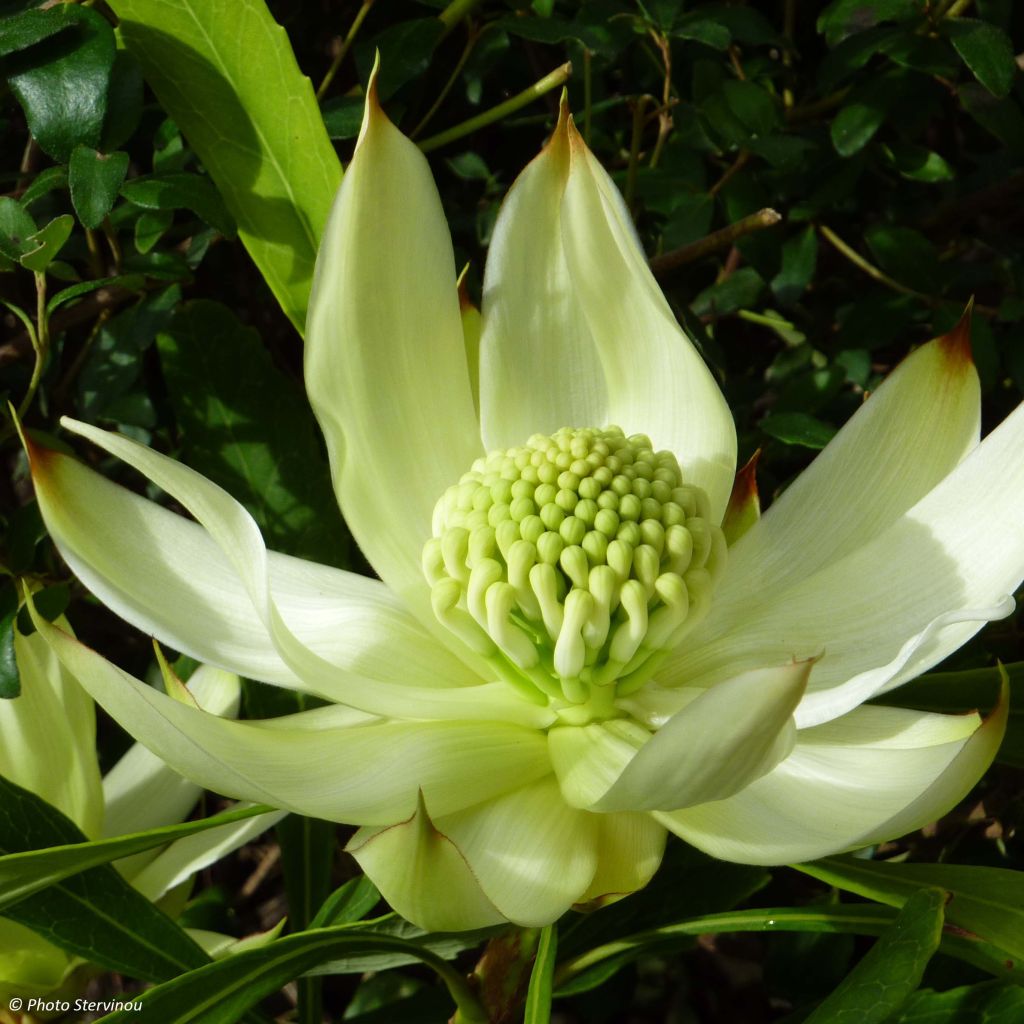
{"points": [[820, 188]]}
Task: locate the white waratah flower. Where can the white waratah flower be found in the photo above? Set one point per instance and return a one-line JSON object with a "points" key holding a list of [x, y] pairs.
{"points": [[561, 660], [48, 746]]}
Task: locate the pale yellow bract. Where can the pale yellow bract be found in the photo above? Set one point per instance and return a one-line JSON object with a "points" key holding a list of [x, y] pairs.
{"points": [[515, 761]]}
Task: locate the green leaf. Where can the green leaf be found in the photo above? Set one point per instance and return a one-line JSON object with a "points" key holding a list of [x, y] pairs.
{"points": [[988, 1003], [799, 260], [844, 18], [985, 904], [248, 428], [10, 678], [226, 74], [703, 29], [405, 51], [343, 117], [906, 255], [27, 872], [351, 902], [798, 428], [63, 88], [538, 995], [16, 227], [94, 179], [177, 191], [754, 106], [45, 181], [31, 27], [94, 914], [740, 290], [131, 282], [880, 984], [919, 164], [41, 248], [124, 103], [986, 50], [863, 113], [151, 226], [220, 992], [1002, 117]]}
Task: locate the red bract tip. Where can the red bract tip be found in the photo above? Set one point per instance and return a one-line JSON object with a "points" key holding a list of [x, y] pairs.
{"points": [[956, 342]]}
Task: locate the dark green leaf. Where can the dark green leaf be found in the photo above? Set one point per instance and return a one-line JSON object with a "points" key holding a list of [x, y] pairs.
{"points": [[30, 27], [852, 54], [798, 428], [702, 29], [538, 995], [986, 50], [880, 984], [906, 255], [740, 290], [94, 179], [989, 1003], [10, 679], [50, 602], [177, 191], [756, 108], [95, 914], [799, 260], [343, 117], [62, 85], [863, 114], [689, 220], [25, 873], [351, 902], [220, 992], [44, 183], [124, 103], [1002, 117], [986, 904], [745, 24], [844, 18], [151, 227], [248, 428], [65, 295], [405, 51]]}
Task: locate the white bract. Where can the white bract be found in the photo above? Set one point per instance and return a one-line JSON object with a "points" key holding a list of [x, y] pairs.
{"points": [[48, 746], [561, 660]]}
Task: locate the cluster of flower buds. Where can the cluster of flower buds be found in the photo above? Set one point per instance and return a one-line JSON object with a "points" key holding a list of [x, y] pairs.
{"points": [[578, 556]]}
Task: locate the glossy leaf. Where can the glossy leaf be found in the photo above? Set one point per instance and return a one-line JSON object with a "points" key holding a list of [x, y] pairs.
{"points": [[280, 173], [42, 247], [94, 179], [986, 49], [31, 27], [63, 90], [348, 903], [989, 1003], [26, 872], [219, 993], [892, 968], [985, 903], [94, 914], [180, 191], [798, 428]]}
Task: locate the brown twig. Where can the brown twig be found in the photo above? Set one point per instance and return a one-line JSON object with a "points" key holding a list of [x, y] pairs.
{"points": [[721, 239]]}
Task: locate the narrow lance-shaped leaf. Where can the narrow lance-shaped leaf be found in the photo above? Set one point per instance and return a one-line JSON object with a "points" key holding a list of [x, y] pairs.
{"points": [[251, 116]]}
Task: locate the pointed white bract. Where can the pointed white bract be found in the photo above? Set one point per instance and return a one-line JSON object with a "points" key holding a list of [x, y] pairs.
{"points": [[48, 746], [562, 661]]}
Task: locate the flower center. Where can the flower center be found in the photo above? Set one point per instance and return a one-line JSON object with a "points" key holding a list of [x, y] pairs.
{"points": [[574, 563]]}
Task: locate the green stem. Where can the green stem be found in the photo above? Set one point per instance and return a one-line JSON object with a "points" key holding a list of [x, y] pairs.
{"points": [[765, 321], [636, 137], [345, 47], [471, 41], [454, 13], [588, 95], [882, 278], [550, 81]]}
